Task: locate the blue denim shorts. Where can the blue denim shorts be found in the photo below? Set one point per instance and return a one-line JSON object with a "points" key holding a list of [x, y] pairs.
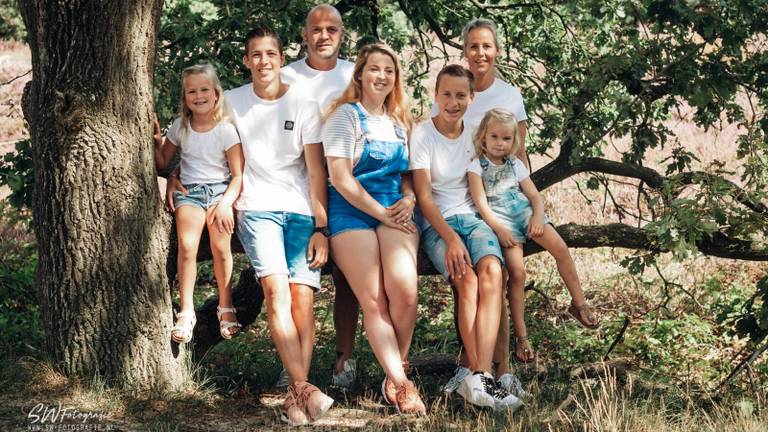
{"points": [[202, 195], [276, 243], [343, 216], [478, 237], [514, 210]]}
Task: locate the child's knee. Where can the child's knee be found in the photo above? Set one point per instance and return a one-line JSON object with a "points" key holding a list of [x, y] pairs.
{"points": [[188, 247], [517, 276]]}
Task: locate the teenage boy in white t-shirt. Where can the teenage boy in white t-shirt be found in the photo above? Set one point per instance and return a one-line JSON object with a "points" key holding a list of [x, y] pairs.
{"points": [[282, 211], [324, 77], [458, 242]]}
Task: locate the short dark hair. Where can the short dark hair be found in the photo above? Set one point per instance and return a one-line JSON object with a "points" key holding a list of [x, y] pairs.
{"points": [[458, 71], [260, 32]]}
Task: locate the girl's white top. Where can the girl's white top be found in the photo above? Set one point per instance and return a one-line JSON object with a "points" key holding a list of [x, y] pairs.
{"points": [[203, 154]]}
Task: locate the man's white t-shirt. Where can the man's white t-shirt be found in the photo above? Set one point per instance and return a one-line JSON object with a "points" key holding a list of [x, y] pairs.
{"points": [[322, 86], [447, 161], [500, 94], [203, 154], [273, 134]]}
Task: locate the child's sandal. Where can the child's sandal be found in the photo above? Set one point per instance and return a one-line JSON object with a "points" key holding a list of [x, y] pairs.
{"points": [[527, 350], [225, 325], [576, 311], [185, 324]]}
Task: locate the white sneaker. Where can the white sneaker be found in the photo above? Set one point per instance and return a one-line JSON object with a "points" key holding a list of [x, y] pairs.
{"points": [[282, 380], [346, 378], [456, 380], [476, 390], [513, 386], [503, 401]]}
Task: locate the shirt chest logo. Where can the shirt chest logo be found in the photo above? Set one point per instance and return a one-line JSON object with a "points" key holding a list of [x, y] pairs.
{"points": [[288, 125]]}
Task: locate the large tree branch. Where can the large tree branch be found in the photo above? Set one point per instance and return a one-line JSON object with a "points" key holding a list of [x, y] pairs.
{"points": [[559, 170], [626, 236]]}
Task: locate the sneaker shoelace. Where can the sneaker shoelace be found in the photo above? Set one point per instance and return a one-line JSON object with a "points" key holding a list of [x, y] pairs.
{"points": [[493, 388]]}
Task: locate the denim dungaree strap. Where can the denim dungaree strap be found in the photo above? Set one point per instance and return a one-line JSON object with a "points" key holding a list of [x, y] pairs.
{"points": [[513, 192], [379, 167]]}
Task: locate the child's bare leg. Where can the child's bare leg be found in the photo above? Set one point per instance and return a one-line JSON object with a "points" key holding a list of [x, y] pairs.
{"points": [[222, 270], [554, 244], [501, 353], [516, 296], [190, 221]]}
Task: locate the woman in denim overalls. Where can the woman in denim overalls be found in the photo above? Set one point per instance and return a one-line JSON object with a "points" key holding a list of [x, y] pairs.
{"points": [[373, 238]]}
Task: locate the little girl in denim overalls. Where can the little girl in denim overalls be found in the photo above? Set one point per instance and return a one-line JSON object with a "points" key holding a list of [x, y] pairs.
{"points": [[211, 174], [509, 202]]}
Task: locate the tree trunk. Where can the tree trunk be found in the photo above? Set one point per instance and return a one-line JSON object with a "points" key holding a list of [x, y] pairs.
{"points": [[101, 229]]}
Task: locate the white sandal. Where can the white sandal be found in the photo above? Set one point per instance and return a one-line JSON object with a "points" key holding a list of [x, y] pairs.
{"points": [[185, 324], [224, 326]]}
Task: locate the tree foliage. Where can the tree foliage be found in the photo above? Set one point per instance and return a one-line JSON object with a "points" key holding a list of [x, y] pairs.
{"points": [[590, 71]]}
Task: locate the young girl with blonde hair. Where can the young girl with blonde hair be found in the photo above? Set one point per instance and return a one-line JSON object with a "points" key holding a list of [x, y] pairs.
{"points": [[508, 201], [211, 175]]}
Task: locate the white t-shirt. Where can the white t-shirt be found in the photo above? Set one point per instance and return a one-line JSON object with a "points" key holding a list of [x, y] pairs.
{"points": [[500, 94], [498, 179], [447, 161], [322, 86], [273, 135], [343, 133], [203, 154]]}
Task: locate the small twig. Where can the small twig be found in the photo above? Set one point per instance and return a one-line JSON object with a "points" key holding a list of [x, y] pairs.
{"points": [[16, 77], [744, 363], [618, 338], [532, 287], [578, 188], [677, 285]]}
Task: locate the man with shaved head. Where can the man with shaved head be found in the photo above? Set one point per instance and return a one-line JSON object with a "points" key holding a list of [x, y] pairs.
{"points": [[324, 77]]}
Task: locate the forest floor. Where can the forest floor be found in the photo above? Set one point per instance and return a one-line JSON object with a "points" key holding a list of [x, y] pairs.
{"points": [[663, 374]]}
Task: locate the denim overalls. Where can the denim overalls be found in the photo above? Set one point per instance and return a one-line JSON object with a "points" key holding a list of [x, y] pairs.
{"points": [[505, 198], [378, 171]]}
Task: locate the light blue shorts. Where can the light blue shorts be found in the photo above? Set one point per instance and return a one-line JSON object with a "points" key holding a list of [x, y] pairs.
{"points": [[276, 243], [478, 238], [514, 210], [202, 195]]}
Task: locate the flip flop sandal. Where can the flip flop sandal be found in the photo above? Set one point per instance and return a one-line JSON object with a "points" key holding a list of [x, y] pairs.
{"points": [[576, 312]]}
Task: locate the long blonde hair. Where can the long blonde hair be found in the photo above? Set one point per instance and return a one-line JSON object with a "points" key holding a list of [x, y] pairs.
{"points": [[395, 103], [220, 110], [502, 116]]}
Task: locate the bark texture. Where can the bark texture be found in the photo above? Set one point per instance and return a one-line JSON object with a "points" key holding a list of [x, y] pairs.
{"points": [[101, 229]]}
